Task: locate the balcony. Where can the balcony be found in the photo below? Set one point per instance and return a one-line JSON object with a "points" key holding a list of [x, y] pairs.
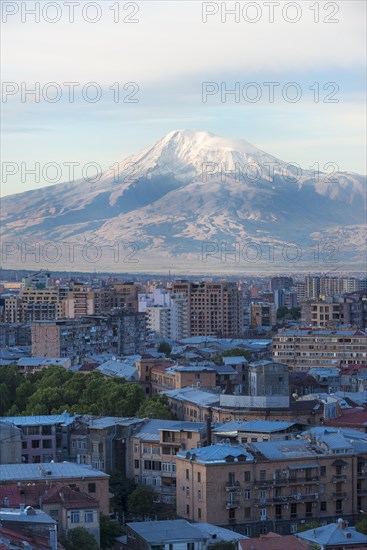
{"points": [[338, 496], [230, 504], [339, 477], [361, 492], [232, 486]]}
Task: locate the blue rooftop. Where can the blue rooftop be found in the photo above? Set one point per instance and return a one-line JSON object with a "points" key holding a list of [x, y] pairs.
{"points": [[334, 534], [217, 454], [41, 420]]}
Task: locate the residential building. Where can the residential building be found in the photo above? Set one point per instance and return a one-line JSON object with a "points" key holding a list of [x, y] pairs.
{"points": [[177, 377], [27, 528], [262, 314], [335, 536], [272, 541], [175, 534], [253, 431], [154, 447], [42, 477], [276, 485], [214, 309], [45, 438], [281, 282], [10, 443], [303, 349]]}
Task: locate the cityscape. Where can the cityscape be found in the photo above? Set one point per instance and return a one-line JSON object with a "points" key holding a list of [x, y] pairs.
{"points": [[183, 275], [161, 411]]}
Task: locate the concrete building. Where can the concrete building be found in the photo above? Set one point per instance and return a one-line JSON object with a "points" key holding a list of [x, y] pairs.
{"points": [[10, 443], [262, 314], [267, 387], [214, 309], [177, 377], [29, 477], [43, 438], [154, 447], [303, 349], [273, 486], [28, 527], [335, 536]]}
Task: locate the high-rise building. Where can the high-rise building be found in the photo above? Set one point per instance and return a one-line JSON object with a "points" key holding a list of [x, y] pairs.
{"points": [[214, 309]]}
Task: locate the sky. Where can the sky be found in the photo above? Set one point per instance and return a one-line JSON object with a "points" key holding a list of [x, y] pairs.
{"points": [[160, 55]]}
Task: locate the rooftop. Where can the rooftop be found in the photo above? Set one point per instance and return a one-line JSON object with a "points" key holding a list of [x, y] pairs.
{"points": [[220, 453], [334, 533], [272, 541], [150, 431], [64, 419], [194, 395], [256, 426], [50, 470], [159, 532]]}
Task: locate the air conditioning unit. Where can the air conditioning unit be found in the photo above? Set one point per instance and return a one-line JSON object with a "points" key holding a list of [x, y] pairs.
{"points": [[285, 506]]}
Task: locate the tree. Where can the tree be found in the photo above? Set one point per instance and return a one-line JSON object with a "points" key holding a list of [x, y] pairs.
{"points": [[237, 352], [361, 525], [121, 487], [109, 531], [165, 347], [307, 526], [141, 502], [79, 538], [157, 407]]}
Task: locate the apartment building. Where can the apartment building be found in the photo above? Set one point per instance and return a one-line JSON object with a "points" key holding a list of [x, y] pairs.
{"points": [[303, 349], [276, 485], [351, 309], [262, 314], [44, 437], [176, 377], [30, 477], [154, 447], [214, 309]]}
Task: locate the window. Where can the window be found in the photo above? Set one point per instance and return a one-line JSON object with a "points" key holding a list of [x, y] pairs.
{"points": [[262, 475], [88, 516], [46, 430], [199, 477], [91, 487], [322, 470], [166, 451], [190, 546], [54, 513], [187, 492], [47, 443], [338, 506], [187, 510], [35, 443], [24, 444], [293, 510], [75, 516], [262, 514], [136, 463], [323, 506], [247, 476], [199, 513], [232, 513], [247, 495], [278, 511], [247, 512], [189, 435], [187, 474]]}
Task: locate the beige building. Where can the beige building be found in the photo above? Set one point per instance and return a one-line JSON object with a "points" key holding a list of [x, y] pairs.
{"points": [[176, 377], [154, 449], [262, 314], [303, 349], [272, 486], [213, 309]]}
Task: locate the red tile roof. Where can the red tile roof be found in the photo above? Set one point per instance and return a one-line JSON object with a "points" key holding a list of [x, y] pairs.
{"points": [[350, 418], [272, 541], [70, 498]]}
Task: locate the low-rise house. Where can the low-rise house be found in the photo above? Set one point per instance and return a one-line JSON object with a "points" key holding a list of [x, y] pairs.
{"points": [[71, 508], [176, 535], [40, 478], [178, 377], [10, 443], [26, 527], [335, 536], [29, 365], [123, 368], [272, 541], [190, 404], [329, 378]]}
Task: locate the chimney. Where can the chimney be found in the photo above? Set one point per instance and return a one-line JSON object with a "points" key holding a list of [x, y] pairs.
{"points": [[209, 427], [341, 523], [22, 506]]}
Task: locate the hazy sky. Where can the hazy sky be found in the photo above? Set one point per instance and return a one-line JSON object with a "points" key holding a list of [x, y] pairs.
{"points": [[168, 53]]}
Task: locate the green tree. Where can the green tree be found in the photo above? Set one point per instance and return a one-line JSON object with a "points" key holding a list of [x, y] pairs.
{"points": [[157, 407], [361, 525], [142, 503], [307, 526], [237, 352], [121, 487], [165, 347], [109, 531], [79, 539]]}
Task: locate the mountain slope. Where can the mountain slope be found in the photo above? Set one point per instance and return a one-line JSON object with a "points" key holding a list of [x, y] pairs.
{"points": [[190, 188]]}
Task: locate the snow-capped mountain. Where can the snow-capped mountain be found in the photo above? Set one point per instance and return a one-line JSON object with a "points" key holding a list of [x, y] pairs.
{"points": [[189, 189]]}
